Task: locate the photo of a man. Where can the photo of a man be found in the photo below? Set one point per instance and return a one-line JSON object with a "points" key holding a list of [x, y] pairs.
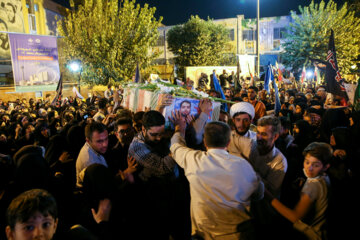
{"points": [[189, 108], [185, 108]]}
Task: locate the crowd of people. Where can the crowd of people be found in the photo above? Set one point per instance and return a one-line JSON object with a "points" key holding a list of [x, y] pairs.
{"points": [[96, 170]]}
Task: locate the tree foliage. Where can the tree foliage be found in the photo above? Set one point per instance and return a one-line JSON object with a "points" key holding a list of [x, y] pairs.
{"points": [[197, 43], [308, 35], [109, 37]]}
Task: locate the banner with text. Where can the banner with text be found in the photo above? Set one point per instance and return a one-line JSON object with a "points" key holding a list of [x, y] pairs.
{"points": [[35, 62]]}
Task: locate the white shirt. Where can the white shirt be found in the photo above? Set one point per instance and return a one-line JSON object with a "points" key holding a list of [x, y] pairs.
{"points": [[241, 145], [87, 156], [221, 186]]}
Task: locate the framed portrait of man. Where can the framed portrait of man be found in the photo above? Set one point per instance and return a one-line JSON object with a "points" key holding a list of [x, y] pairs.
{"points": [[190, 106]]}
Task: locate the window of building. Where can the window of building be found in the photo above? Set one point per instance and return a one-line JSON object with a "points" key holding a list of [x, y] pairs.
{"points": [[160, 41], [279, 33], [232, 34], [249, 34]]}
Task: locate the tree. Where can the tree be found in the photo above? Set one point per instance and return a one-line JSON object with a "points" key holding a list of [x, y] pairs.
{"points": [[197, 43], [308, 36], [109, 37]]}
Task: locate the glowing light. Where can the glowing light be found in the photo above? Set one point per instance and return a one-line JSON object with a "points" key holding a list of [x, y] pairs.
{"points": [[309, 74], [74, 66], [353, 66]]}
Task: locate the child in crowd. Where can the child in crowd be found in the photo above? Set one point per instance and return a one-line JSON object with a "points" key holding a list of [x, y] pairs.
{"points": [[309, 215], [32, 215]]}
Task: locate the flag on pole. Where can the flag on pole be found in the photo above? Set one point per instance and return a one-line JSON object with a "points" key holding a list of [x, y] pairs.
{"points": [[280, 75], [269, 76], [333, 79], [277, 99], [219, 89], [137, 74], [57, 99], [77, 94], [303, 75]]}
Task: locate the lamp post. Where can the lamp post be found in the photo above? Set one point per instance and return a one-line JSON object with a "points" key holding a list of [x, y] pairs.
{"points": [[257, 38], [75, 66]]}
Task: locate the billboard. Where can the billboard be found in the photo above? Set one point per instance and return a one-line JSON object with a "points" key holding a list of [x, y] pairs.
{"points": [[35, 62]]}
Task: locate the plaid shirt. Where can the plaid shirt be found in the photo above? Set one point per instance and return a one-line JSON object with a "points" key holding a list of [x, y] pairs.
{"points": [[151, 164]]}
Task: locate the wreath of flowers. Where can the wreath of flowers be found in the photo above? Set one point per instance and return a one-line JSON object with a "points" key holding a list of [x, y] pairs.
{"points": [[174, 90]]}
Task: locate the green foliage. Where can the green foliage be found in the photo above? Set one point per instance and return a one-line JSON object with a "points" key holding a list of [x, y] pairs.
{"points": [[308, 36], [197, 43], [109, 37]]}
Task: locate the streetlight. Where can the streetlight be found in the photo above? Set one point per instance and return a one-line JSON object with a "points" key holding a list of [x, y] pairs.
{"points": [[75, 66], [309, 74], [257, 38]]}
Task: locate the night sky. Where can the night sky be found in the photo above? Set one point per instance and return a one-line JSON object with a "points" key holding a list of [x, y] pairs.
{"points": [[179, 11]]}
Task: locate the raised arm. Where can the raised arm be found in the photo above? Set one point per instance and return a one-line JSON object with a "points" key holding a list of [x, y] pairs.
{"points": [[205, 107]]}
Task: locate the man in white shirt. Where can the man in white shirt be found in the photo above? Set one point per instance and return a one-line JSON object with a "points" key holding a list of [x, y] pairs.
{"points": [[92, 152], [221, 185], [108, 94]]}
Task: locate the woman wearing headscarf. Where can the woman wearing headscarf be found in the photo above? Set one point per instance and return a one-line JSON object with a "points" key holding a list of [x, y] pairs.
{"points": [[294, 177], [299, 111], [343, 181], [332, 118], [28, 137], [42, 134], [97, 194]]}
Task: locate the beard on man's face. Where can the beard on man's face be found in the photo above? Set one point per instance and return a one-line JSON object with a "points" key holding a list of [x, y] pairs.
{"points": [[263, 146], [242, 129], [241, 133], [160, 147], [150, 142]]}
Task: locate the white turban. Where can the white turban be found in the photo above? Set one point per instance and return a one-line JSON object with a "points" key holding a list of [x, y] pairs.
{"points": [[242, 107]]}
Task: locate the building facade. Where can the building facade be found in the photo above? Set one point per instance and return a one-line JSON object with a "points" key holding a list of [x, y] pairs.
{"points": [[242, 34]]}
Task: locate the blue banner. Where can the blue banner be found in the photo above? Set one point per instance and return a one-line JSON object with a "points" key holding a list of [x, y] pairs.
{"points": [[35, 62]]}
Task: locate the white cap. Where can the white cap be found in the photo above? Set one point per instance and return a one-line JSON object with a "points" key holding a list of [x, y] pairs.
{"points": [[242, 107]]}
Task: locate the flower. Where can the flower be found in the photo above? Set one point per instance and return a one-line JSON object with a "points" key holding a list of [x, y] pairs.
{"points": [[200, 93]]}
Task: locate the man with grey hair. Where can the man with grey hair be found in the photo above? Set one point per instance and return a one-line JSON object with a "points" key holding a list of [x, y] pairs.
{"points": [[221, 185], [271, 165], [266, 159]]}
